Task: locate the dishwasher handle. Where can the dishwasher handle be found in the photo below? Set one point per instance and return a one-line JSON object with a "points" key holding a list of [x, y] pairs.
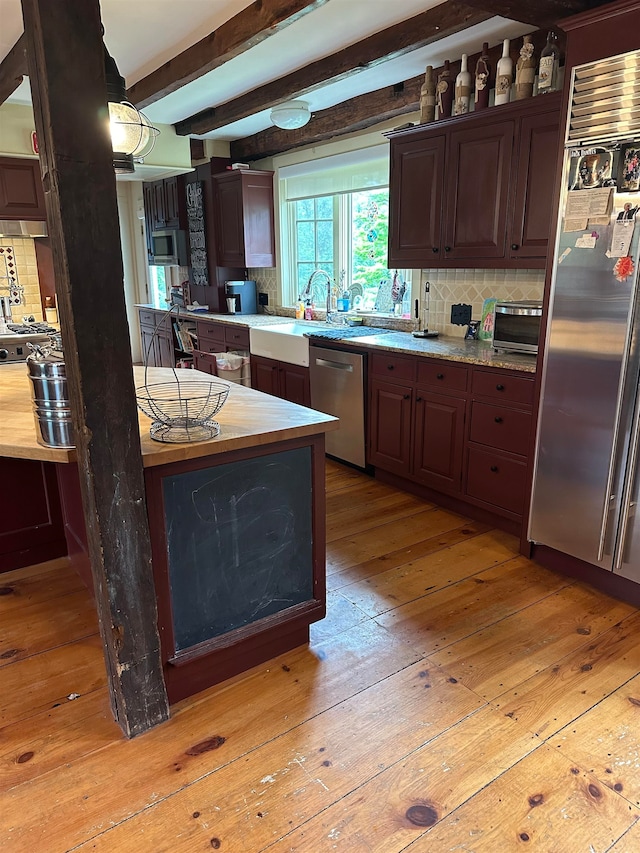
{"points": [[333, 365]]}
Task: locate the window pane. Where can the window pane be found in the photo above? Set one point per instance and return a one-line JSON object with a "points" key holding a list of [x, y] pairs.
{"points": [[325, 242], [324, 207], [305, 238], [304, 209], [369, 235]]}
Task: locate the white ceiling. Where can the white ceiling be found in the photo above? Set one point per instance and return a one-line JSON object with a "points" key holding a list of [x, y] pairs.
{"points": [[143, 34]]}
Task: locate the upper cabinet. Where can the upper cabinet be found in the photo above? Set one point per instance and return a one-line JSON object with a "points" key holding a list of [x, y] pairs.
{"points": [[21, 195], [244, 218], [476, 190], [165, 204]]}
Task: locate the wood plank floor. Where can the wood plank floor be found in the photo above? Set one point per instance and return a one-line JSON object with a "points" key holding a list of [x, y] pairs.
{"points": [[456, 697]]}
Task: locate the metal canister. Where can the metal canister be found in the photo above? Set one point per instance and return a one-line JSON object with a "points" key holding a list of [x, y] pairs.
{"points": [[48, 377]]}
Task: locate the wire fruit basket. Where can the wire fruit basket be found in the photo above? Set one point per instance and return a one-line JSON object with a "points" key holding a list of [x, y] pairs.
{"points": [[183, 411]]}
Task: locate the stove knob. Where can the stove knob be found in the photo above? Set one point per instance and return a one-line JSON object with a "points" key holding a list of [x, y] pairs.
{"points": [[4, 353]]}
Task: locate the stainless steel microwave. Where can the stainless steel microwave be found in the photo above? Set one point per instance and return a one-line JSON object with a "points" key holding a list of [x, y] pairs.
{"points": [[169, 248], [516, 326]]}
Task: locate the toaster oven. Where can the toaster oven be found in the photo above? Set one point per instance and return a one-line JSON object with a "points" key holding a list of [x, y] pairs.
{"points": [[516, 326]]}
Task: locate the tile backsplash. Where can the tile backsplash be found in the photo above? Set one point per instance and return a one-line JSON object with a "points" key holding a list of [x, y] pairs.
{"points": [[266, 280], [27, 268], [450, 287]]}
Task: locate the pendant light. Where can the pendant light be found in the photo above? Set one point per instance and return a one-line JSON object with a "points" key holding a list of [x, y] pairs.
{"points": [[132, 135], [291, 115]]}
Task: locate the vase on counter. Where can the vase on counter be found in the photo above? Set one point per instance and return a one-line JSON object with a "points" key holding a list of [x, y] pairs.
{"points": [[483, 72], [463, 89], [428, 96], [525, 70], [504, 75], [444, 91]]}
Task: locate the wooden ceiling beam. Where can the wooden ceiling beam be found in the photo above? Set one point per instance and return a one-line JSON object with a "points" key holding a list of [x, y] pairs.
{"points": [[417, 32], [13, 69], [252, 25], [539, 13], [363, 111]]}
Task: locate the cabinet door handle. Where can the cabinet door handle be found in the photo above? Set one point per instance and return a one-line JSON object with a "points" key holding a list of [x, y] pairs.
{"points": [[406, 397], [418, 399], [440, 376], [498, 419], [494, 469], [514, 247], [389, 367], [434, 250], [499, 387], [447, 248]]}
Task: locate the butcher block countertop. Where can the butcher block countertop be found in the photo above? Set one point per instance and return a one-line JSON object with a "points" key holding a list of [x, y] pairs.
{"points": [[247, 419]]}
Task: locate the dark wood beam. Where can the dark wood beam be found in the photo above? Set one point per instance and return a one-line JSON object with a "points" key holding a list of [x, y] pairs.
{"points": [[13, 69], [365, 110], [417, 32], [252, 25], [538, 13], [65, 54]]}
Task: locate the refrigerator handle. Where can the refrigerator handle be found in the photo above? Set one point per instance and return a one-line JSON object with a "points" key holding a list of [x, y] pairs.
{"points": [[615, 451], [628, 503]]}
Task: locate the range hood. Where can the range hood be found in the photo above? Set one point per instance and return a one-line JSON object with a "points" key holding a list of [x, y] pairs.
{"points": [[22, 228]]}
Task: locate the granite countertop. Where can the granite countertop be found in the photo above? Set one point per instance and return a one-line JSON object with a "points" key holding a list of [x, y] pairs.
{"points": [[448, 348], [247, 419]]}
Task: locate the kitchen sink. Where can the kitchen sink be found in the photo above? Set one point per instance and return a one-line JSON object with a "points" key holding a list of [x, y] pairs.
{"points": [[285, 342]]}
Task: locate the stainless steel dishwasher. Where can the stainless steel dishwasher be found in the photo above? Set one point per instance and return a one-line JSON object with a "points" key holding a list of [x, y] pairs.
{"points": [[337, 388]]}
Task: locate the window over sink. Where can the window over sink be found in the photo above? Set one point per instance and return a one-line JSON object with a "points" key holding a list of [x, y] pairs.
{"points": [[335, 216]]}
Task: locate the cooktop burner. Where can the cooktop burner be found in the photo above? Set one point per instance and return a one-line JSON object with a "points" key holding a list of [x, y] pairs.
{"points": [[31, 328]]}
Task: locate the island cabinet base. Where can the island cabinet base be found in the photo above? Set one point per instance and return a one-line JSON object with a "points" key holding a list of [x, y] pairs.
{"points": [[238, 548], [30, 518]]}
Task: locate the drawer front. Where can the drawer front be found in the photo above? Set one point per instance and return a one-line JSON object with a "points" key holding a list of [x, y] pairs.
{"points": [[445, 377], [205, 361], [496, 479], [393, 366], [237, 337], [210, 337], [499, 427], [502, 386], [154, 319]]}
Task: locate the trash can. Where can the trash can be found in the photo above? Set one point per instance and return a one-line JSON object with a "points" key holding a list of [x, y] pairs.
{"points": [[233, 366]]}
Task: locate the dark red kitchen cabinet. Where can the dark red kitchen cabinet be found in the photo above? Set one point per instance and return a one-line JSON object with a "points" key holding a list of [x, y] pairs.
{"points": [[478, 175], [438, 440], [497, 479], [294, 384], [244, 218], [534, 181], [415, 211], [21, 195], [390, 417], [264, 375], [288, 381], [31, 527]]}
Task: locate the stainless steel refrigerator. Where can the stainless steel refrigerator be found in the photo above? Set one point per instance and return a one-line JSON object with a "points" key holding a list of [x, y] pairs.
{"points": [[586, 480]]}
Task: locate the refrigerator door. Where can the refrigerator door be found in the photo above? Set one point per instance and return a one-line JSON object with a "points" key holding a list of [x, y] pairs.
{"points": [[588, 394]]}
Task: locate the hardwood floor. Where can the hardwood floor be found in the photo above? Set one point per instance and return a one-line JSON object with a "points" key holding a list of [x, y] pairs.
{"points": [[456, 697]]}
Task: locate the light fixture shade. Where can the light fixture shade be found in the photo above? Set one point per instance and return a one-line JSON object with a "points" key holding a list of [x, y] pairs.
{"points": [[132, 135], [291, 115]]}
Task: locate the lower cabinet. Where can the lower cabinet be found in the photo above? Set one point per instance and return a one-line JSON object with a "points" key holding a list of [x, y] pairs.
{"points": [[156, 338], [288, 381], [417, 422], [31, 527], [460, 430]]}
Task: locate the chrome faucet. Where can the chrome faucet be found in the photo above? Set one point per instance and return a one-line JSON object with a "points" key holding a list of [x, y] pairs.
{"points": [[307, 290]]}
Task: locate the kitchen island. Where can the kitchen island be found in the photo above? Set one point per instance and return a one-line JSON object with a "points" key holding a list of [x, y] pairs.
{"points": [[237, 526]]}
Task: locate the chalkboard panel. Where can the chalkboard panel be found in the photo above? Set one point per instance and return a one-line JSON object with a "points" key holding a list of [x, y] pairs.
{"points": [[197, 237], [239, 539]]}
